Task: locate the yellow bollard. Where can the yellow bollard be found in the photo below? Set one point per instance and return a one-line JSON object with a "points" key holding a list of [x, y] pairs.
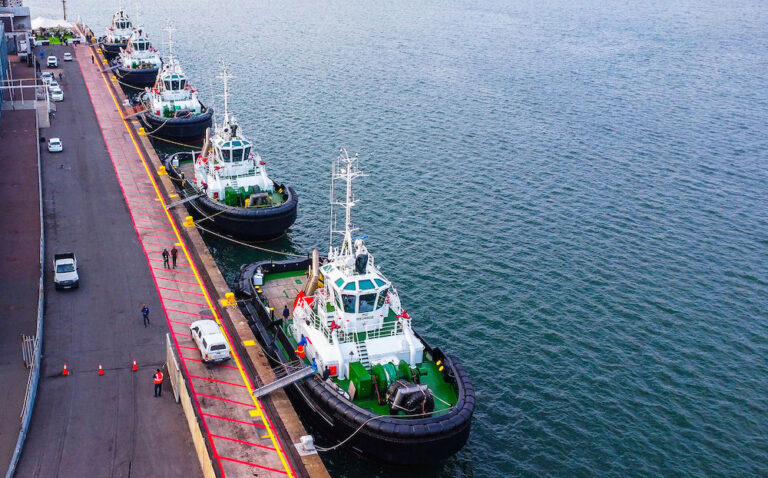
{"points": [[188, 222], [141, 131], [228, 300], [161, 171]]}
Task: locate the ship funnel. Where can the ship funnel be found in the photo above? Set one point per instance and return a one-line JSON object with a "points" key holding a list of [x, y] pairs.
{"points": [[314, 273]]}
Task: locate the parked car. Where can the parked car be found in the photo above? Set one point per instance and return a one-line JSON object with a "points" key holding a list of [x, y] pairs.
{"points": [[65, 271], [67, 56], [211, 342], [53, 84], [47, 77], [57, 94], [53, 62], [55, 145]]}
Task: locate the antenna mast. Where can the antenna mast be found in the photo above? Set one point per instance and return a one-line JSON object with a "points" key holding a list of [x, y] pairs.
{"points": [[224, 75], [346, 168], [169, 28]]}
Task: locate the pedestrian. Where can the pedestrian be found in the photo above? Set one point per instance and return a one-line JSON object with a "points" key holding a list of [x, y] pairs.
{"points": [[145, 314], [174, 254], [91, 57], [42, 54], [60, 76], [158, 379], [165, 259], [286, 313]]}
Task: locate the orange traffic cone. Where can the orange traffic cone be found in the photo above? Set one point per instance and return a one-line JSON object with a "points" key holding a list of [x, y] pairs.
{"points": [[101, 370], [134, 368], [65, 373]]}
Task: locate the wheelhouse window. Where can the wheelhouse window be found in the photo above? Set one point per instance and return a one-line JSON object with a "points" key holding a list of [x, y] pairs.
{"points": [[382, 298], [237, 155], [366, 303], [349, 303]]}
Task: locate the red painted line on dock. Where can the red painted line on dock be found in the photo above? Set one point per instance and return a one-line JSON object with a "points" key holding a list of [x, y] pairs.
{"points": [[233, 420], [253, 464], [155, 235], [189, 313], [180, 334], [152, 221], [179, 281], [154, 229], [243, 442], [219, 365], [186, 302], [217, 381], [182, 323], [176, 271], [188, 348], [180, 291], [250, 405]]}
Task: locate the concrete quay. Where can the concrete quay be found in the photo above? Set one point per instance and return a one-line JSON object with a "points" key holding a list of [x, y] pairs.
{"points": [[85, 424], [244, 436]]}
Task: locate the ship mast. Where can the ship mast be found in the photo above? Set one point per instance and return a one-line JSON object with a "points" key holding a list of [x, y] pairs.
{"points": [[345, 167], [169, 28], [225, 76]]}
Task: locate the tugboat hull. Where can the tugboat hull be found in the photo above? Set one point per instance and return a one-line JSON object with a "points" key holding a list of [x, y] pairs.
{"points": [[250, 224], [136, 79], [184, 130], [110, 50], [394, 440]]}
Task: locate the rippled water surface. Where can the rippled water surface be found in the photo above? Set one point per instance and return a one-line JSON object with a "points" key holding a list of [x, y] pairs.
{"points": [[570, 196]]}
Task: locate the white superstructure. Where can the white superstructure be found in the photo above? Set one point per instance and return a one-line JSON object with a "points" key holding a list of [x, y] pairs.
{"points": [[139, 54], [172, 96], [355, 314], [120, 29]]}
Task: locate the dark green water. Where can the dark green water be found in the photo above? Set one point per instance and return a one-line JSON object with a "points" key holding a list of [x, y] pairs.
{"points": [[570, 196]]}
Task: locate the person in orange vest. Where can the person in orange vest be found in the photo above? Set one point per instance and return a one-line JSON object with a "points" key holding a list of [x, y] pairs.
{"points": [[158, 378]]}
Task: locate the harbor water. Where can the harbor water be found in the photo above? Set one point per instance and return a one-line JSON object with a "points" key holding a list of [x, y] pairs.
{"points": [[571, 198]]}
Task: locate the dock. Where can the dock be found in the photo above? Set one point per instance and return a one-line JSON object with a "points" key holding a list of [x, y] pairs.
{"points": [[244, 436]]}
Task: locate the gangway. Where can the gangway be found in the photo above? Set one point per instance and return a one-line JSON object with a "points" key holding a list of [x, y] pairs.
{"points": [[283, 381]]}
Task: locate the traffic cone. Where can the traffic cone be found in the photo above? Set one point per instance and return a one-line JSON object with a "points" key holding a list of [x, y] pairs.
{"points": [[134, 368], [65, 373], [101, 370]]}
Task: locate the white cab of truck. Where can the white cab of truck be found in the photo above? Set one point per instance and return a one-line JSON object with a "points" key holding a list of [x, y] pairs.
{"points": [[65, 271]]}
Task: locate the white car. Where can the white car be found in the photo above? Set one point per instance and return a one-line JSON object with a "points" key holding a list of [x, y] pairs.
{"points": [[47, 77], [55, 145], [53, 84], [53, 62], [67, 56], [57, 94], [211, 342]]}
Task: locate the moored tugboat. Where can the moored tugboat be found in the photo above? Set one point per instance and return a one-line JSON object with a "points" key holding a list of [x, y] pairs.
{"points": [[375, 384], [172, 110], [226, 186], [137, 64], [117, 36]]}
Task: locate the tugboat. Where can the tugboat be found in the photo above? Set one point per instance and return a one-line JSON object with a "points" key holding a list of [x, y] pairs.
{"points": [[172, 110], [137, 64], [230, 188], [371, 382], [117, 35]]}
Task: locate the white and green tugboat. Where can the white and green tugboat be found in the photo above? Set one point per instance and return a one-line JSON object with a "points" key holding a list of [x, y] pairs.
{"points": [[117, 36], [226, 185], [378, 386], [172, 110], [137, 65]]}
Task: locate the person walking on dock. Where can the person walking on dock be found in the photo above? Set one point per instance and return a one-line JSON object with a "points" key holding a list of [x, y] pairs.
{"points": [[286, 313], [174, 254], [165, 259], [158, 379], [91, 57], [145, 314]]}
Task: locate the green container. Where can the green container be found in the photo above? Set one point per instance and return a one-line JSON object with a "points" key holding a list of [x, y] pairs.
{"points": [[359, 376]]}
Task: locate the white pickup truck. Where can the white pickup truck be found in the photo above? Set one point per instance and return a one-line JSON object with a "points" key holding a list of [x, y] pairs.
{"points": [[65, 271]]}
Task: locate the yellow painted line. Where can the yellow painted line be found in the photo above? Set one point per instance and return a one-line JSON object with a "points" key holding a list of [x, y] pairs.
{"points": [[174, 195], [278, 446], [249, 343], [254, 413]]}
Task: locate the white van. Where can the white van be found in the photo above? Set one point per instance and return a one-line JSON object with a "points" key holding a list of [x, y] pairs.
{"points": [[211, 342]]}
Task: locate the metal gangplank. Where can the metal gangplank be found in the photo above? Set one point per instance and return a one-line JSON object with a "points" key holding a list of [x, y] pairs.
{"points": [[284, 381]]}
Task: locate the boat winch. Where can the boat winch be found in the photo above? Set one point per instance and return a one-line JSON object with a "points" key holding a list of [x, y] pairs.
{"points": [[410, 398]]}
